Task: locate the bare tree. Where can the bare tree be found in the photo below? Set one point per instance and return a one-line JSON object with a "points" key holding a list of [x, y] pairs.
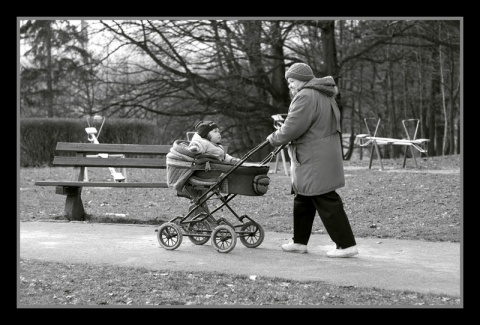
{"points": [[179, 71], [56, 59]]}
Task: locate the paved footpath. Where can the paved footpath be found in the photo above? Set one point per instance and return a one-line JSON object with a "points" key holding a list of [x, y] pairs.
{"points": [[392, 264]]}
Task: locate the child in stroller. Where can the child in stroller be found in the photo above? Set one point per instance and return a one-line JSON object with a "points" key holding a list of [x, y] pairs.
{"points": [[200, 178], [206, 141]]}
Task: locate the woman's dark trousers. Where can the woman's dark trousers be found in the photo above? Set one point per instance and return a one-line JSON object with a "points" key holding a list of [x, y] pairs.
{"points": [[330, 209]]}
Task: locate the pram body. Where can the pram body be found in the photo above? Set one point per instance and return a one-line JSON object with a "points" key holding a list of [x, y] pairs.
{"points": [[202, 179]]}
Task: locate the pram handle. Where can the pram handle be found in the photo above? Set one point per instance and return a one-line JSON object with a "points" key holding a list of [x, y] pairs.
{"points": [[272, 154], [252, 151], [258, 147], [263, 144]]}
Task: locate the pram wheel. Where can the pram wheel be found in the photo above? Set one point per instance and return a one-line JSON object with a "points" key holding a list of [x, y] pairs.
{"points": [[201, 227], [169, 235], [224, 238], [252, 234]]}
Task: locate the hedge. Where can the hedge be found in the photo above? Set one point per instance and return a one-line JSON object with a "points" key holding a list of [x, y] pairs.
{"points": [[39, 136]]}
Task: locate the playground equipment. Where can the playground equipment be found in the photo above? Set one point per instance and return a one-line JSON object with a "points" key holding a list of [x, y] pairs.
{"points": [[93, 136], [372, 140]]}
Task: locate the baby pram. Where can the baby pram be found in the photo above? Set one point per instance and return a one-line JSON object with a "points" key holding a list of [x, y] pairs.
{"points": [[203, 179]]}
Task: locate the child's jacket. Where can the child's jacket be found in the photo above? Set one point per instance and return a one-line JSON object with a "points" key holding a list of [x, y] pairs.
{"points": [[201, 145]]}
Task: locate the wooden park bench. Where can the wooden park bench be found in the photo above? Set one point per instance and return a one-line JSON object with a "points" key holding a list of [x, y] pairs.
{"points": [[114, 156]]}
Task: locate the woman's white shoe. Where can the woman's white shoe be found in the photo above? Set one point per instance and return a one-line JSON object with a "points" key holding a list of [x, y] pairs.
{"points": [[294, 248], [346, 252]]}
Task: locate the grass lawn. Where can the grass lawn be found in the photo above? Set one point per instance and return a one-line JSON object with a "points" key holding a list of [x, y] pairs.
{"points": [[423, 203]]}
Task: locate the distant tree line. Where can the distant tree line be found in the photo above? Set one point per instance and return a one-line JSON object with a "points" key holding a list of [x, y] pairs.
{"points": [[176, 72]]}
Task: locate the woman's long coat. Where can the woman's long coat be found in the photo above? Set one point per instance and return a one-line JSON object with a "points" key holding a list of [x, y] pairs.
{"points": [[312, 127]]}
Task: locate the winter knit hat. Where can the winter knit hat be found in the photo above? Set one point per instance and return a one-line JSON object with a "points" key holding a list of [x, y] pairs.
{"points": [[204, 127], [300, 71]]}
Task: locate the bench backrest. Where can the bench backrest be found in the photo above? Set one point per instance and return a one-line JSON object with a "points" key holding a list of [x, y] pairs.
{"points": [[116, 155], [111, 155], [92, 148]]}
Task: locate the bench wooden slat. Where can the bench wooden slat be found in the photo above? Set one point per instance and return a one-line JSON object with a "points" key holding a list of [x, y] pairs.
{"points": [[110, 162], [101, 184], [140, 149]]}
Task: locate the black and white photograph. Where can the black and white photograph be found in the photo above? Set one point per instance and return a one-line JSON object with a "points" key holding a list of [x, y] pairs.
{"points": [[240, 162]]}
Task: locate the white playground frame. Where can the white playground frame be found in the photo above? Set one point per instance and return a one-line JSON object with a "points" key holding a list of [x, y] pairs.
{"points": [[93, 137], [413, 143]]}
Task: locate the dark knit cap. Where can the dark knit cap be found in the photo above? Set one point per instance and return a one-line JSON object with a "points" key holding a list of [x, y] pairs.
{"points": [[300, 71], [204, 127]]}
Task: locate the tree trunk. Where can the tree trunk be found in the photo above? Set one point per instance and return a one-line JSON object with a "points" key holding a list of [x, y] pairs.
{"points": [[432, 108], [89, 89], [49, 74], [459, 124], [329, 48], [331, 68], [281, 94], [452, 134], [392, 114], [444, 106], [422, 112]]}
